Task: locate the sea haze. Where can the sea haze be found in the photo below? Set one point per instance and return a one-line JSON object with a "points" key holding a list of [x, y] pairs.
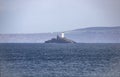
{"points": [[59, 60], [85, 35]]}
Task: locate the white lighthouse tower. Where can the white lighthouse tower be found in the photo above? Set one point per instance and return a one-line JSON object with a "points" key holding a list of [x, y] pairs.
{"points": [[62, 35]]}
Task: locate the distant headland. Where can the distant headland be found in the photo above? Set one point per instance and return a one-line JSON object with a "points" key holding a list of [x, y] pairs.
{"points": [[82, 35], [59, 39]]}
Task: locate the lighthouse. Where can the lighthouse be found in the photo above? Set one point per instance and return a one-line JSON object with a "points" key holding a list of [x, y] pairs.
{"points": [[62, 34]]}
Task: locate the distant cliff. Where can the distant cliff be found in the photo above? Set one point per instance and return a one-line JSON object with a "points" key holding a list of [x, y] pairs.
{"points": [[85, 35]]}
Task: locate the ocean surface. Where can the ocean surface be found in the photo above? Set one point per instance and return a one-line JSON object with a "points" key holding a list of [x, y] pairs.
{"points": [[59, 60]]}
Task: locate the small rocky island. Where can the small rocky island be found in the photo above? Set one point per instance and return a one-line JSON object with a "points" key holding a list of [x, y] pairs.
{"points": [[59, 39]]}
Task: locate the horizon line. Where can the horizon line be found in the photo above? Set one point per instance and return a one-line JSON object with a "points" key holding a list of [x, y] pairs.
{"points": [[63, 31]]}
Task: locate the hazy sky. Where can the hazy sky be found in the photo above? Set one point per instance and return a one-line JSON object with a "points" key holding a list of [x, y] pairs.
{"points": [[36, 16]]}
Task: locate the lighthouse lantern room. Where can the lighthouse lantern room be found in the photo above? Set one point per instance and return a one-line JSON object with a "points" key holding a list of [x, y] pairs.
{"points": [[62, 34]]}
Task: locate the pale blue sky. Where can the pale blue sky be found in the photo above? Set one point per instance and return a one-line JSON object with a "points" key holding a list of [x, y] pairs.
{"points": [[38, 16]]}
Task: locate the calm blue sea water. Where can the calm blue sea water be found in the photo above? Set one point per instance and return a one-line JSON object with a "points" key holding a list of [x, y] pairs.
{"points": [[59, 60]]}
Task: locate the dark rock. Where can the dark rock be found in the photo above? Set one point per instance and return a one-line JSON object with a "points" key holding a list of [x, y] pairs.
{"points": [[60, 40]]}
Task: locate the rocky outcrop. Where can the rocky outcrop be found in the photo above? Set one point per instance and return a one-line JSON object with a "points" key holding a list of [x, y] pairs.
{"points": [[60, 40]]}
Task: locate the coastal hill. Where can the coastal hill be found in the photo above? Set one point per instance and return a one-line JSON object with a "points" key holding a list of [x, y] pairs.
{"points": [[95, 35], [85, 35]]}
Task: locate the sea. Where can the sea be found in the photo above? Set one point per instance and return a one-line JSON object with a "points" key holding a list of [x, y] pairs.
{"points": [[59, 60]]}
